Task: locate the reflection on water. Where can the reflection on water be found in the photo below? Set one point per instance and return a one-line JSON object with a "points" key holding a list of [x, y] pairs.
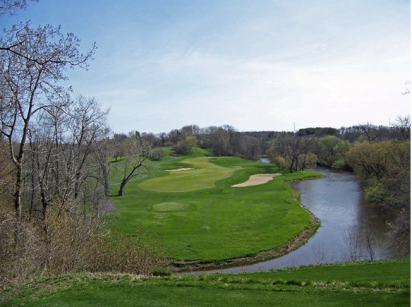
{"points": [[336, 200]]}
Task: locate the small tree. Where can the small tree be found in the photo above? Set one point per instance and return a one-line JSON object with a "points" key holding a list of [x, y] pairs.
{"points": [[137, 162], [352, 250], [185, 146]]}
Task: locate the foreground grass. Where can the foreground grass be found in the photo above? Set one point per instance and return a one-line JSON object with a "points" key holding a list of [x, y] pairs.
{"points": [[202, 218], [378, 283]]}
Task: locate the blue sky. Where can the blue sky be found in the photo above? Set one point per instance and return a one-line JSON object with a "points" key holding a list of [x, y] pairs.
{"points": [[255, 65]]}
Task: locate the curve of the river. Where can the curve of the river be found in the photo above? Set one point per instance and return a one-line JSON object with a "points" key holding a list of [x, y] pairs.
{"points": [[336, 200]]}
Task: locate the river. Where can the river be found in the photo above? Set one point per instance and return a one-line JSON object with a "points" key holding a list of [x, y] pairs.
{"points": [[336, 200]]}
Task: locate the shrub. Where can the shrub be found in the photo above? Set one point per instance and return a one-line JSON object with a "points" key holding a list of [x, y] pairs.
{"points": [[280, 162], [157, 154], [162, 271], [68, 242]]}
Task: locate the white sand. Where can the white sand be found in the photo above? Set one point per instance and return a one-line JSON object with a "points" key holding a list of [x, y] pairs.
{"points": [[179, 169], [256, 180]]}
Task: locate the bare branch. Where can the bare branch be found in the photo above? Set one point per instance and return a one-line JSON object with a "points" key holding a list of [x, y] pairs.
{"points": [[10, 6]]}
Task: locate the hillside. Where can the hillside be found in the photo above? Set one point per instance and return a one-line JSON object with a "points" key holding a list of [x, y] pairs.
{"points": [[378, 283]]}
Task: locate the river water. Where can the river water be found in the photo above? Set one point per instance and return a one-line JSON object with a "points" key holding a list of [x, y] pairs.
{"points": [[336, 200]]}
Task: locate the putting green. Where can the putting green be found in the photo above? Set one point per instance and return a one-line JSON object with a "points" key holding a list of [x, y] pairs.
{"points": [[170, 206], [204, 176]]}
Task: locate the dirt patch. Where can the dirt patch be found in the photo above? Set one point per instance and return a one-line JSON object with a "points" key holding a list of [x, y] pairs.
{"points": [[256, 180], [180, 169]]}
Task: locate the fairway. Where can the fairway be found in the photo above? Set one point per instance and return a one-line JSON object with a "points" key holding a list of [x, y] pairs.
{"points": [[201, 217], [171, 206], [203, 176]]}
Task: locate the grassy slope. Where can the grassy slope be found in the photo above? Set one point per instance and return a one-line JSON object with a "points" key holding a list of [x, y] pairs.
{"points": [[207, 219], [379, 283]]}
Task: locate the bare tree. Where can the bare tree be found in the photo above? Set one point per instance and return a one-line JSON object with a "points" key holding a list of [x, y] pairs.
{"points": [[6, 176], [361, 242], [137, 161], [319, 252], [101, 155], [67, 156], [369, 239], [32, 63], [403, 124], [117, 148], [88, 127], [352, 250]]}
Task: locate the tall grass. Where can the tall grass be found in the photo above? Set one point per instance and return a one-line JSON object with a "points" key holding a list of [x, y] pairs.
{"points": [[66, 242]]}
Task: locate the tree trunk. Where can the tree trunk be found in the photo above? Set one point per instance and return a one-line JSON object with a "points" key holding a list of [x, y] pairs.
{"points": [[106, 188], [106, 182], [17, 193], [122, 184]]}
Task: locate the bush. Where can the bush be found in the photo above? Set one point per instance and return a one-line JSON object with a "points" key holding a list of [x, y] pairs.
{"points": [[157, 154], [162, 271], [185, 146], [67, 242], [375, 194], [340, 164], [280, 162]]}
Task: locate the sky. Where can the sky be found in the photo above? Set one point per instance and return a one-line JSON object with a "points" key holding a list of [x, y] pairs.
{"points": [[254, 65]]}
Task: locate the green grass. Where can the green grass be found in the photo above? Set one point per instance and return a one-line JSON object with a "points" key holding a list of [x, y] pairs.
{"points": [[376, 283], [201, 217], [203, 176]]}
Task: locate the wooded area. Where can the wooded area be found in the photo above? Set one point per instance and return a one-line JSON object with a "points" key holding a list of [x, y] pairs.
{"points": [[54, 164]]}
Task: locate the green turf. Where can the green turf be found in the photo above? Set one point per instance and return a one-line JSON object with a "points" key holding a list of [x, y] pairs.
{"points": [[203, 176], [201, 217], [386, 272], [171, 206], [376, 283]]}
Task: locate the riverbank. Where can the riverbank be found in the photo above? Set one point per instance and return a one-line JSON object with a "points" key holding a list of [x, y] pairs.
{"points": [[337, 200]]}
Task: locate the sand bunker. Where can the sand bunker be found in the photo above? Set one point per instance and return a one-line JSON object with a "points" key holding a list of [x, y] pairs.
{"points": [[179, 169], [256, 180]]}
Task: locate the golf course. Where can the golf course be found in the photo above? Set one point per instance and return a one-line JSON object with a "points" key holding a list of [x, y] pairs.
{"points": [[214, 210]]}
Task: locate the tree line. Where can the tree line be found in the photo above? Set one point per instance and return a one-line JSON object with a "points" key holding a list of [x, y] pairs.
{"points": [[222, 140]]}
